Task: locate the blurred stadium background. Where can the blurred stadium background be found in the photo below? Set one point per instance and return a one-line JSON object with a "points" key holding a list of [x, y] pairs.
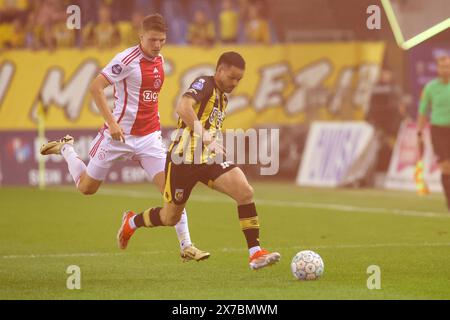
{"points": [[344, 98]]}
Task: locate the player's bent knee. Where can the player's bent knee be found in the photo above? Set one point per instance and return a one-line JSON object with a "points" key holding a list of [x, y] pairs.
{"points": [[171, 214], [245, 194], [88, 185], [87, 190]]}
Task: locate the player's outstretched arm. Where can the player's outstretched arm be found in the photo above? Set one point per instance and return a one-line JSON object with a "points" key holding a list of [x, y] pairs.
{"points": [[97, 86]]}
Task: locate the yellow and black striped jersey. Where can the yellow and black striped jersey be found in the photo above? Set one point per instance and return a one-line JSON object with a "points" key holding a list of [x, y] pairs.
{"points": [[210, 108]]}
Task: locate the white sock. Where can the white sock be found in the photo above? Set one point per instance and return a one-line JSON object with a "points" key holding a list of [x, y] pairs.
{"points": [[75, 164], [253, 250], [182, 230]]}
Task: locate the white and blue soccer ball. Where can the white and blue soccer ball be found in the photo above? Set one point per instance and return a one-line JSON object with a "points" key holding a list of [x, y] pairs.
{"points": [[307, 265]]}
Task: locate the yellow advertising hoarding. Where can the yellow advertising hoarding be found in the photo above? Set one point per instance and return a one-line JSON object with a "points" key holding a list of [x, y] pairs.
{"points": [[283, 84]]}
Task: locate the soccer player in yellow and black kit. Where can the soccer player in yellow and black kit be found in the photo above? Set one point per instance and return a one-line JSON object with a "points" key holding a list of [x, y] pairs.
{"points": [[193, 157], [436, 95]]}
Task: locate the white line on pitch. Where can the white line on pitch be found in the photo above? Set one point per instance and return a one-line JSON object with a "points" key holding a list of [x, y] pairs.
{"points": [[74, 255], [279, 203], [356, 246], [304, 247]]}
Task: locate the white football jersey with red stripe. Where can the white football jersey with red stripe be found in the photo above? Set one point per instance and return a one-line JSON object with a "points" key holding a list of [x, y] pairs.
{"points": [[137, 81]]}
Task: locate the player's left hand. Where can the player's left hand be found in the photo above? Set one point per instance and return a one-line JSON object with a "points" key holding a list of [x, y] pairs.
{"points": [[116, 132]]}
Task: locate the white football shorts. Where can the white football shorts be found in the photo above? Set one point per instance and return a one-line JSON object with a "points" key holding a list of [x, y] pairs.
{"points": [[148, 150]]}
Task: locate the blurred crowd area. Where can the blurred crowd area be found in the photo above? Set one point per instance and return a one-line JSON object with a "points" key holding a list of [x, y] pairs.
{"points": [[41, 24]]}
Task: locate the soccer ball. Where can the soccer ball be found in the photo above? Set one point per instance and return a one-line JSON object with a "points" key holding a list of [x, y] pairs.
{"points": [[307, 265]]}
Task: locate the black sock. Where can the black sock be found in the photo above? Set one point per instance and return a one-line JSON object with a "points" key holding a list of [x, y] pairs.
{"points": [[149, 218], [248, 219], [445, 179]]}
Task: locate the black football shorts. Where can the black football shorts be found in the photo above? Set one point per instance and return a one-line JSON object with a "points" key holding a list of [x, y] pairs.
{"points": [[181, 178]]}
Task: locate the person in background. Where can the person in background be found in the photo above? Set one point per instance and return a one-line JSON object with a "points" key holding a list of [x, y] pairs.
{"points": [[129, 30], [256, 27], [228, 19], [63, 36], [104, 34], [436, 96], [386, 112], [44, 14], [13, 35], [201, 31]]}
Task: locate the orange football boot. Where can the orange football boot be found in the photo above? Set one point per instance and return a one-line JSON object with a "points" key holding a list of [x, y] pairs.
{"points": [[263, 258], [125, 231]]}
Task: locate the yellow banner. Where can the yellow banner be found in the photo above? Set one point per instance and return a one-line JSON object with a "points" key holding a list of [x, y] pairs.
{"points": [[283, 84]]}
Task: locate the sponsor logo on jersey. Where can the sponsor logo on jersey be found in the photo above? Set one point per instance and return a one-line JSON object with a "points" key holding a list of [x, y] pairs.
{"points": [[198, 85], [149, 95], [157, 84], [116, 69], [216, 118]]}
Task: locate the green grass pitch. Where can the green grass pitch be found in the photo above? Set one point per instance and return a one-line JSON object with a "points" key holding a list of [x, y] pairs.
{"points": [[43, 232]]}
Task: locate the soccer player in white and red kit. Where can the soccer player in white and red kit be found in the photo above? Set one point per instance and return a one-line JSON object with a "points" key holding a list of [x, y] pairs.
{"points": [[132, 129]]}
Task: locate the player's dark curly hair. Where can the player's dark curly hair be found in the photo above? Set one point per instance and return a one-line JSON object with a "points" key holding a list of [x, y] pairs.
{"points": [[231, 58], [154, 22]]}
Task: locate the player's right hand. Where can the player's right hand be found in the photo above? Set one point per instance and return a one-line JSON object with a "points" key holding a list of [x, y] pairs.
{"points": [[116, 132], [217, 147], [212, 144], [207, 138]]}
